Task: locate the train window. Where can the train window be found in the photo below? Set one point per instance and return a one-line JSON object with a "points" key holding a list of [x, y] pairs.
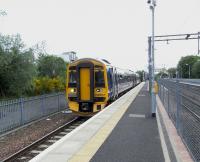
{"points": [[99, 79], [109, 76], [121, 78], [72, 79], [72, 68]]}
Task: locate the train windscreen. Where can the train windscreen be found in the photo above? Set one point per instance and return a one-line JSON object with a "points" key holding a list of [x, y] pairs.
{"points": [[99, 79], [72, 79]]}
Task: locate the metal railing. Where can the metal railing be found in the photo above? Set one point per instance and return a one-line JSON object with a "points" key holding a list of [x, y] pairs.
{"points": [[15, 113], [182, 103]]}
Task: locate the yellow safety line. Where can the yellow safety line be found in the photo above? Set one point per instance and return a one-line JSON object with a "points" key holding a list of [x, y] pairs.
{"points": [[91, 147]]}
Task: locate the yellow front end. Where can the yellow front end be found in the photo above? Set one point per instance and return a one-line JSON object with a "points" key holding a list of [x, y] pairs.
{"points": [[87, 87]]}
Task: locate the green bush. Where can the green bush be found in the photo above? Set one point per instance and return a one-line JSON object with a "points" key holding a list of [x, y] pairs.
{"points": [[48, 85]]}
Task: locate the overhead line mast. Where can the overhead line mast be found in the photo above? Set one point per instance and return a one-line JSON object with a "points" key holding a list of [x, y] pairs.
{"points": [[152, 5], [189, 36]]}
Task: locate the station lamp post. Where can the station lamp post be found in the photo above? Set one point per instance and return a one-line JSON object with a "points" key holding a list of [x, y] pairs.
{"points": [[198, 43], [180, 72], [188, 69], [152, 5]]}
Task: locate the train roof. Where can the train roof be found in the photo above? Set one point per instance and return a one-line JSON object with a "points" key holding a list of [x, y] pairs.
{"points": [[105, 62]]}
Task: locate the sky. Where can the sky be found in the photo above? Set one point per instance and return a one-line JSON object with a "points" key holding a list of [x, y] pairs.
{"points": [[116, 30]]}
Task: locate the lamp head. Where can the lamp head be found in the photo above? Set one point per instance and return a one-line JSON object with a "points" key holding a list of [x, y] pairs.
{"points": [[152, 3]]}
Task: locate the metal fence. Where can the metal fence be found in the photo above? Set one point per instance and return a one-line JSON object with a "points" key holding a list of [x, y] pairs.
{"points": [[182, 102], [15, 113]]}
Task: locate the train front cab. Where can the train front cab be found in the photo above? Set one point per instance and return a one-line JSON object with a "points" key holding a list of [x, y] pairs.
{"points": [[87, 89]]}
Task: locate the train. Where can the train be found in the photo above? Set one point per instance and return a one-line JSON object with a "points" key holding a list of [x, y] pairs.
{"points": [[93, 83]]}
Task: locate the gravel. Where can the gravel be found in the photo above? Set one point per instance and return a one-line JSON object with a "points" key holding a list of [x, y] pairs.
{"points": [[22, 137]]}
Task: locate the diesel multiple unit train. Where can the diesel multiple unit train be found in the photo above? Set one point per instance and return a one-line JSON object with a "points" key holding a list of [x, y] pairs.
{"points": [[92, 84]]}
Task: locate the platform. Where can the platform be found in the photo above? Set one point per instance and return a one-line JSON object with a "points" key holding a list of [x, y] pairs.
{"points": [[136, 137], [124, 131]]}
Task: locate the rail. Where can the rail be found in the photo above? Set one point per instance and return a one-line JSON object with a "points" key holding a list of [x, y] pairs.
{"points": [[27, 154]]}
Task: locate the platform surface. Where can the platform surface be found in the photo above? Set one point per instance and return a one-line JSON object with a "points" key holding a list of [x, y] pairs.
{"points": [[136, 137], [123, 132]]}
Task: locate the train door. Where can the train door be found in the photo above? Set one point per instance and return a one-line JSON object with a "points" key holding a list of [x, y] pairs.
{"points": [[85, 84], [114, 83], [110, 82]]}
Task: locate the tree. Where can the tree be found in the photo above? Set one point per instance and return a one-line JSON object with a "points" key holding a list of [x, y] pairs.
{"points": [[17, 66], [141, 74], [161, 74], [51, 66], [172, 72], [196, 69], [51, 74], [185, 64]]}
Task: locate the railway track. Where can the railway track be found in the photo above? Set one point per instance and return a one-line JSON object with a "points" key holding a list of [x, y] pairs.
{"points": [[41, 144]]}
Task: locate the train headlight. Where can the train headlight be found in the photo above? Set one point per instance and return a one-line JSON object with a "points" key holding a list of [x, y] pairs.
{"points": [[98, 90], [73, 90]]}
